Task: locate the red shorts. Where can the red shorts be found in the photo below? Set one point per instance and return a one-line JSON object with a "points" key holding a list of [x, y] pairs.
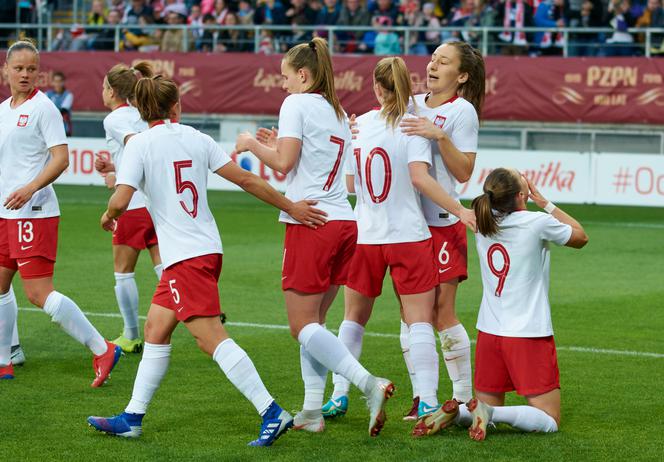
{"points": [[29, 245], [135, 229], [314, 259], [190, 287], [411, 268], [527, 365], [450, 246]]}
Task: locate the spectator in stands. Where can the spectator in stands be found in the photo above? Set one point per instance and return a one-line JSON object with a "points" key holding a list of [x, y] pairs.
{"points": [[620, 19], [245, 13], [195, 22], [412, 15], [134, 11], [469, 14], [328, 15], [26, 11], [270, 12], [549, 13], [514, 13], [220, 12], [209, 40], [97, 14], [382, 9], [176, 6], [353, 14], [300, 14], [430, 38], [653, 16], [146, 40], [588, 44], [232, 40], [118, 5], [387, 42], [174, 40], [105, 39], [62, 98], [207, 6]]}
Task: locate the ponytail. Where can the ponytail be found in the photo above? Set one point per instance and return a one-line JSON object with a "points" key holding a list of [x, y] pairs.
{"points": [[155, 97], [393, 76], [123, 79], [499, 200], [315, 56], [471, 62]]}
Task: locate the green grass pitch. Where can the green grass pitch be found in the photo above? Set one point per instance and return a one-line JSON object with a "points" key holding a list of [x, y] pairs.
{"points": [[608, 296]]}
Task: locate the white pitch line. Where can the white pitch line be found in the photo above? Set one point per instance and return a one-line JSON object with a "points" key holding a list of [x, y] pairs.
{"points": [[626, 224], [603, 351]]}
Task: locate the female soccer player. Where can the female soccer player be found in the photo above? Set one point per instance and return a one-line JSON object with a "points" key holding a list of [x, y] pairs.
{"points": [[33, 154], [135, 230], [390, 171], [313, 141], [448, 116], [515, 348], [169, 162]]}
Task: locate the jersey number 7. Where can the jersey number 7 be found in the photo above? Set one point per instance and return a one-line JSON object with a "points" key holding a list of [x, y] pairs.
{"points": [[182, 186]]}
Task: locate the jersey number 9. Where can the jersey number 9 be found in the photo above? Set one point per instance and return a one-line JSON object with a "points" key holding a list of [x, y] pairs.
{"points": [[501, 274]]}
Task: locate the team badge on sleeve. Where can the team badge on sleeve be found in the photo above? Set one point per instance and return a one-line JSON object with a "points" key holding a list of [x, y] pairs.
{"points": [[22, 120], [439, 121]]}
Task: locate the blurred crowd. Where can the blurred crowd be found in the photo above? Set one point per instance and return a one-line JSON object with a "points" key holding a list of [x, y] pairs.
{"points": [[440, 15]]}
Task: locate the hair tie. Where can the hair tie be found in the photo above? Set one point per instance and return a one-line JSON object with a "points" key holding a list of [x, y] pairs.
{"points": [[136, 73], [490, 194], [312, 45]]}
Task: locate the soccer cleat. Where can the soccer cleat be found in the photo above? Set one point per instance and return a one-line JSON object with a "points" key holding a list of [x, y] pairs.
{"points": [[423, 411], [128, 345], [7, 372], [309, 421], [276, 422], [335, 407], [482, 414], [18, 357], [443, 417], [412, 413], [125, 425], [382, 390], [104, 364]]}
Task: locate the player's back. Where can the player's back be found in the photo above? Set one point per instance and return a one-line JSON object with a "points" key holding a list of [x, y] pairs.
{"points": [[388, 205], [326, 140], [176, 160], [515, 274]]}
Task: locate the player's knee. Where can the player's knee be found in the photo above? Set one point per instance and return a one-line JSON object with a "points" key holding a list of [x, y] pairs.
{"points": [[36, 297], [153, 334], [295, 331]]}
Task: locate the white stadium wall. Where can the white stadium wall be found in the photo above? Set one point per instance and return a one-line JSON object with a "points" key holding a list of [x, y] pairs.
{"points": [[611, 179]]}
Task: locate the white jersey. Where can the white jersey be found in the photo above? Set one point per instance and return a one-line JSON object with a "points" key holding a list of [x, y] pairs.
{"points": [[170, 164], [326, 142], [515, 274], [119, 124], [27, 132], [458, 119], [388, 208]]}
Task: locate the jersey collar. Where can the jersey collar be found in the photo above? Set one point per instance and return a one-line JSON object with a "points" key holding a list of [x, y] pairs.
{"points": [[451, 100], [30, 96]]}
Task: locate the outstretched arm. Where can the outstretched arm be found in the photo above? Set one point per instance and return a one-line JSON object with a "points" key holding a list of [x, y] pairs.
{"points": [[281, 158]]}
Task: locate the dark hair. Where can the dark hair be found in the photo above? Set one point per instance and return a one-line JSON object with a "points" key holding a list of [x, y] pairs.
{"points": [[315, 56], [20, 45], [59, 74], [123, 79], [393, 76], [472, 62], [500, 189], [155, 97]]}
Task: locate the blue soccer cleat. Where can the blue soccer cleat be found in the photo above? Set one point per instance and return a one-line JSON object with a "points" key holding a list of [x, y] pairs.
{"points": [[125, 425], [335, 407], [276, 422]]}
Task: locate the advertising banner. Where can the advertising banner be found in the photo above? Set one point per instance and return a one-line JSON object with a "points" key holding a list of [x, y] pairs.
{"points": [[629, 180]]}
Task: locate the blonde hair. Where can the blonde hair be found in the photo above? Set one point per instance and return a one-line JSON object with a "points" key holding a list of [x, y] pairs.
{"points": [[499, 199], [20, 45], [315, 56], [393, 76], [123, 79], [155, 97]]}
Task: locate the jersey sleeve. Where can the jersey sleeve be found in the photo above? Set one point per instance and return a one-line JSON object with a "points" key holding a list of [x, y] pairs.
{"points": [[217, 157], [132, 169], [291, 119], [418, 149], [466, 130], [118, 128], [51, 126], [550, 229]]}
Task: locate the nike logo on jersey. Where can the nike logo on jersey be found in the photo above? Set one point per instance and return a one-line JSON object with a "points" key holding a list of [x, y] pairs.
{"points": [[26, 247], [180, 309], [23, 263], [441, 271]]}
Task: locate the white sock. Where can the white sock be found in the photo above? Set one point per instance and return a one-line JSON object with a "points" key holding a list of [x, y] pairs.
{"points": [[330, 352], [313, 376], [15, 340], [351, 335], [158, 269], [151, 371], [526, 418], [239, 369], [425, 361], [126, 293], [464, 418], [8, 312], [64, 312], [404, 333], [455, 346]]}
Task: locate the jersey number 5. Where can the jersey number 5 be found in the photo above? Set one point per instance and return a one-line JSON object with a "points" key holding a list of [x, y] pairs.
{"points": [[501, 274], [182, 186]]}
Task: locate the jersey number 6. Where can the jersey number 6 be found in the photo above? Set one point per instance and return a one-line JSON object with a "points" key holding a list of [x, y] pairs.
{"points": [[181, 186], [502, 273]]}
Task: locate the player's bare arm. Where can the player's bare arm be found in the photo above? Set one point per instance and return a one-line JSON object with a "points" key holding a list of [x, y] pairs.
{"points": [[282, 158], [460, 164], [350, 183], [579, 238], [53, 169], [268, 137], [302, 211], [427, 185], [117, 205]]}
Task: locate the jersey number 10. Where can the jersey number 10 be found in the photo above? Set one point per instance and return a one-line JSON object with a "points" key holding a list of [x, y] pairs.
{"points": [[387, 181]]}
